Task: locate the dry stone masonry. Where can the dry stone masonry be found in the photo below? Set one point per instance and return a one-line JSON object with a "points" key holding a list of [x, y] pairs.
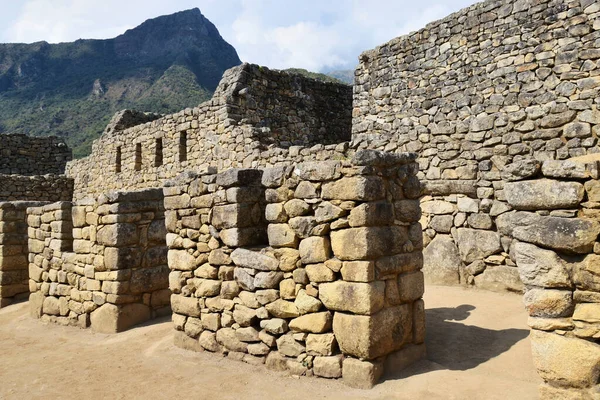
{"points": [[291, 223], [14, 276], [312, 268], [484, 96], [99, 263], [257, 117], [553, 233]]}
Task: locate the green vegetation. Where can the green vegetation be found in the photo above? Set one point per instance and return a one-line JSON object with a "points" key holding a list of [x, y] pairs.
{"points": [[72, 90]]}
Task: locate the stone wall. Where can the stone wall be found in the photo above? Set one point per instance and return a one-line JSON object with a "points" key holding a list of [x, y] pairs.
{"points": [[35, 188], [14, 277], [481, 96], [257, 117], [312, 268], [99, 263], [552, 235], [26, 155]]}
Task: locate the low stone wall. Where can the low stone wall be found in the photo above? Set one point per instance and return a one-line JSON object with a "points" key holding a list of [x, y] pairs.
{"points": [[312, 269], [14, 277], [552, 236], [99, 263], [35, 188], [27, 155]]}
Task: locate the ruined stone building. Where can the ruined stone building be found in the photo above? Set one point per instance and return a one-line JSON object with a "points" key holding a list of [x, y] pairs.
{"points": [[292, 223]]}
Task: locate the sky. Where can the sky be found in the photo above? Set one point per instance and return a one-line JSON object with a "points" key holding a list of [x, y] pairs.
{"points": [[318, 35]]}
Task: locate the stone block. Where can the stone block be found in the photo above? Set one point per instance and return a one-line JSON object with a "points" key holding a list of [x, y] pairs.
{"points": [[358, 271], [541, 267], [318, 171], [238, 237], [548, 303], [239, 177], [371, 214], [110, 318], [315, 250], [281, 235], [441, 261], [475, 244], [320, 344], [328, 367], [358, 298], [371, 336], [254, 259], [411, 286], [312, 323], [573, 235], [361, 374], [543, 194], [188, 306], [364, 188], [565, 361], [120, 234], [240, 215], [366, 243], [180, 260]]}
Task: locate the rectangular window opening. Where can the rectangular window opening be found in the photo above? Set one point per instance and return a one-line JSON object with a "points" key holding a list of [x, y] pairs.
{"points": [[158, 155], [138, 157], [118, 160], [183, 146]]}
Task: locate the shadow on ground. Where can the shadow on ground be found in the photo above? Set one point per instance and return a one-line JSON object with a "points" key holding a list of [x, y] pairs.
{"points": [[454, 345]]}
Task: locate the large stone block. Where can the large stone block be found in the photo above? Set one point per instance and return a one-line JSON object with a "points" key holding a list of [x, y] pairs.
{"points": [[315, 250], [312, 323], [541, 267], [237, 237], [254, 259], [574, 235], [548, 303], [188, 306], [110, 318], [371, 214], [365, 188], [441, 261], [319, 171], [361, 374], [240, 215], [367, 242], [499, 278], [475, 244], [281, 235], [120, 234], [543, 194], [356, 297], [565, 361], [371, 336], [181, 260]]}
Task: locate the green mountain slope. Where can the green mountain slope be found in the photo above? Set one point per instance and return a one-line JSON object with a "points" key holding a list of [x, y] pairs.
{"points": [[72, 89]]}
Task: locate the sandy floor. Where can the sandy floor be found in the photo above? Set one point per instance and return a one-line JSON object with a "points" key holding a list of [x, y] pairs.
{"points": [[478, 348]]}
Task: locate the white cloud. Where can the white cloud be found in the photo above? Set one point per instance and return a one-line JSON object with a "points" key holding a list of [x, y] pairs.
{"points": [[312, 34]]}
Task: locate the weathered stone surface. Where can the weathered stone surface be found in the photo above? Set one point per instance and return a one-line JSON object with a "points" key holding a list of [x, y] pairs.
{"points": [[543, 194], [441, 261], [477, 244], [254, 259], [306, 303], [437, 207], [371, 214], [365, 188], [318, 171], [568, 169], [565, 361], [540, 267], [570, 234], [328, 367], [369, 337], [366, 243], [361, 374], [499, 278], [185, 305], [320, 344], [319, 273], [411, 286], [268, 280], [290, 347], [181, 260], [276, 326], [587, 312], [313, 322], [315, 250], [227, 337], [358, 271], [208, 340], [110, 318], [283, 309], [521, 170], [359, 298], [548, 303]]}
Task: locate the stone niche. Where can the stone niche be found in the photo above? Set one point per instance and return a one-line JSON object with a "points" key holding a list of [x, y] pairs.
{"points": [[313, 269]]}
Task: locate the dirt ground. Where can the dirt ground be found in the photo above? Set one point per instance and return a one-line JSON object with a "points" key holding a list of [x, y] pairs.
{"points": [[477, 342]]}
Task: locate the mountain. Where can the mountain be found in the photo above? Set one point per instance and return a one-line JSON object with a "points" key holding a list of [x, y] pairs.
{"points": [[346, 76], [71, 90], [314, 75]]}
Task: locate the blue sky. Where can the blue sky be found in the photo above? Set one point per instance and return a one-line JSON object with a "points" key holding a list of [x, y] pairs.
{"points": [[312, 34]]}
